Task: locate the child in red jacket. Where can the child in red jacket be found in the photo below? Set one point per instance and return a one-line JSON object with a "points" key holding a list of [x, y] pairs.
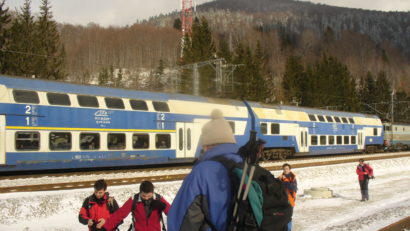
{"points": [[146, 207], [364, 172]]}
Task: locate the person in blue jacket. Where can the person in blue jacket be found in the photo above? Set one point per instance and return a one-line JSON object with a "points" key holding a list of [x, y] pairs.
{"points": [[203, 201]]}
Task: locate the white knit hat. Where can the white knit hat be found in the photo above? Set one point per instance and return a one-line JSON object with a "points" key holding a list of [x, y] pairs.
{"points": [[217, 131]]}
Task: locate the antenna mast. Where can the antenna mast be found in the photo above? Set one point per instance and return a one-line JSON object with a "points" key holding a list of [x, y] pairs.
{"points": [[186, 20]]}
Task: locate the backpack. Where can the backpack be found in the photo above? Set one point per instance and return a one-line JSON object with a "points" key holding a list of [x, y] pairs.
{"points": [[134, 205], [267, 206]]}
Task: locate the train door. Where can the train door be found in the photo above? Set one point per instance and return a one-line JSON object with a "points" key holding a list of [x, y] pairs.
{"points": [[360, 143], [2, 139], [187, 140], [303, 135]]}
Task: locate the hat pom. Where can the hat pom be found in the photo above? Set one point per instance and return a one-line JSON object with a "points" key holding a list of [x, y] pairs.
{"points": [[217, 114]]}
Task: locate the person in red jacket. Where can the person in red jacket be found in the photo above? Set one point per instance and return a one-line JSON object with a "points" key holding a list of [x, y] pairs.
{"points": [[364, 172], [146, 207], [97, 208]]}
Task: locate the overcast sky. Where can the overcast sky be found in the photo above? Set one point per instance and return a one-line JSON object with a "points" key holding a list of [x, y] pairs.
{"points": [[123, 12]]}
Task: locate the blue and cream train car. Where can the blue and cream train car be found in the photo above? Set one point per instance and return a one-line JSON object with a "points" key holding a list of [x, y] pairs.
{"points": [[54, 125], [304, 131]]}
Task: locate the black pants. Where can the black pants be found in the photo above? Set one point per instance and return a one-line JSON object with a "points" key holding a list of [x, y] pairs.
{"points": [[364, 188]]}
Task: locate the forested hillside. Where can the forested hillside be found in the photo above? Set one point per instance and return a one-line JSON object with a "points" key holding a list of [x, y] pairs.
{"points": [[274, 51]]}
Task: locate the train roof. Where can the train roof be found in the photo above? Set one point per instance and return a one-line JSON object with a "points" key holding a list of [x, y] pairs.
{"points": [[87, 89], [314, 110]]}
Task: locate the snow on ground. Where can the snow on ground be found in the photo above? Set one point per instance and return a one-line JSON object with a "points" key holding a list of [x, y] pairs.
{"points": [[389, 201], [118, 175]]}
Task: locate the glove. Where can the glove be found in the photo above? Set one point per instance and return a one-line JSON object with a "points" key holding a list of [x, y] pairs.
{"points": [[158, 204]]}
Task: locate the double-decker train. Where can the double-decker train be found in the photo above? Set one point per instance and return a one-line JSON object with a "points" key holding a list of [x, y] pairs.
{"points": [[55, 125]]}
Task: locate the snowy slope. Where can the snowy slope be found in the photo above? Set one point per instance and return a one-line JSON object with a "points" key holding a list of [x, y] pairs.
{"points": [[389, 201]]}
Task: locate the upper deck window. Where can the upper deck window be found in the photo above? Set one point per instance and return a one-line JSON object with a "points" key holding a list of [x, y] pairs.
{"points": [[321, 118], [160, 106], [115, 103], [87, 101], [232, 124], [23, 96], [139, 105], [337, 120], [58, 99], [345, 120], [351, 120], [329, 119], [275, 128], [264, 128], [312, 117]]}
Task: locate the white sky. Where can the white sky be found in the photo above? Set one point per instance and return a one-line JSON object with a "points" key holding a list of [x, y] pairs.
{"points": [[123, 12]]}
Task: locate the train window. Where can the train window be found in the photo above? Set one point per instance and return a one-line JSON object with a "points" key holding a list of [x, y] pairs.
{"points": [[27, 141], [22, 96], [346, 139], [115, 103], [116, 141], [351, 120], [264, 128], [331, 140], [181, 139], [232, 124], [139, 105], [312, 117], [89, 141], [337, 120], [140, 141], [339, 140], [275, 128], [322, 140], [160, 106], [329, 119], [58, 99], [163, 141], [321, 118], [375, 131], [344, 119], [188, 139], [87, 101], [387, 128], [353, 139], [60, 141], [313, 140]]}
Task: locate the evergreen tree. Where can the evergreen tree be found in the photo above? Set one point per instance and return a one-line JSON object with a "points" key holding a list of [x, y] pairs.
{"points": [[103, 77], [293, 78], [50, 65], [5, 19], [199, 47], [330, 83], [257, 89], [224, 51], [367, 93], [21, 59]]}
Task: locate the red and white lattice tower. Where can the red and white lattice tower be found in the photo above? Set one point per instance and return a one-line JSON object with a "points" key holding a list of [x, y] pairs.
{"points": [[186, 20], [186, 16]]}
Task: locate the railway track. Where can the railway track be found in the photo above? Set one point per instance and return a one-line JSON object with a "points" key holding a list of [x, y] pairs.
{"points": [[272, 166]]}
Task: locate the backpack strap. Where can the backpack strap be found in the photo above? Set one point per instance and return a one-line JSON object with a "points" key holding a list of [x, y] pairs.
{"points": [[158, 197], [134, 205], [89, 206]]}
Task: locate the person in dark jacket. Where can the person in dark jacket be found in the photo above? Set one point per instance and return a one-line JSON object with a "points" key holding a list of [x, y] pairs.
{"points": [[204, 200], [289, 180], [98, 207], [364, 173], [146, 207]]}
